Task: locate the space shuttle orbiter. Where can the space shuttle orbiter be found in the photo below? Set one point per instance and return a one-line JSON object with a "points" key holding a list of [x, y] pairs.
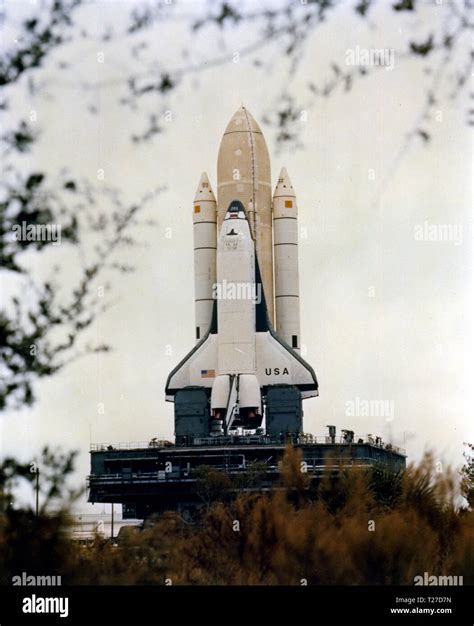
{"points": [[246, 361]]}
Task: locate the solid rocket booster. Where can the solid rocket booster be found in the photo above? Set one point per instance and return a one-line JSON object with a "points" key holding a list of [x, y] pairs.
{"points": [[243, 173], [205, 246], [285, 246]]}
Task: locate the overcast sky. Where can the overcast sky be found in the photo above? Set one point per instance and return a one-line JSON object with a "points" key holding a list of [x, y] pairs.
{"points": [[385, 316]]}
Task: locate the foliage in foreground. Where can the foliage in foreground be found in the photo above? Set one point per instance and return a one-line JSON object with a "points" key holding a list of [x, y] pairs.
{"points": [[365, 528]]}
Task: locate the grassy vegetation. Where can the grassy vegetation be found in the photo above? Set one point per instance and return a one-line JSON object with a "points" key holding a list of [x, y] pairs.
{"points": [[371, 527]]}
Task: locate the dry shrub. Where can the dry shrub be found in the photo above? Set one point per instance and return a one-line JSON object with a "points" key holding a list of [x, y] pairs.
{"points": [[361, 528]]}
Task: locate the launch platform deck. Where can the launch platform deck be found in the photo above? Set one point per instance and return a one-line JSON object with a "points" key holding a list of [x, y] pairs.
{"points": [[159, 476]]}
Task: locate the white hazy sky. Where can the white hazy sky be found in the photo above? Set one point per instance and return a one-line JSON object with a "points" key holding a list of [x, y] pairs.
{"points": [[384, 316]]}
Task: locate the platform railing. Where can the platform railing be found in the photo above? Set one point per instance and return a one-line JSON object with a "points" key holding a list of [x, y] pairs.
{"points": [[131, 445], [314, 466], [231, 440]]}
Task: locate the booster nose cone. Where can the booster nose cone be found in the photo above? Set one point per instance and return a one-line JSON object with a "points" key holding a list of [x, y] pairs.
{"points": [[204, 189], [284, 186]]}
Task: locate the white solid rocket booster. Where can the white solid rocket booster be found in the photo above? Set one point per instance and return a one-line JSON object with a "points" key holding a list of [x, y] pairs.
{"points": [[205, 246], [285, 250]]}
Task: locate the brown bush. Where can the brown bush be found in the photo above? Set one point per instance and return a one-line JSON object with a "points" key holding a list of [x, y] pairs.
{"points": [[362, 528]]}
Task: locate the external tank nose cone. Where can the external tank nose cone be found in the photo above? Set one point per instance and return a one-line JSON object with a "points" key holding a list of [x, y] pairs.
{"points": [[242, 120]]}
